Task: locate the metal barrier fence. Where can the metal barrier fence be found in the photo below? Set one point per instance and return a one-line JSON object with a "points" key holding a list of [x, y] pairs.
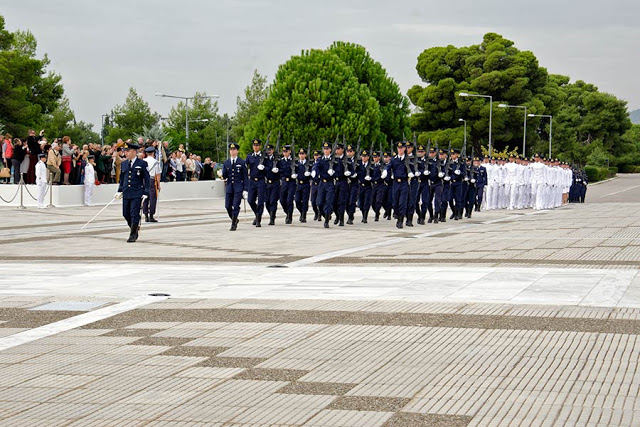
{"points": [[21, 189]]}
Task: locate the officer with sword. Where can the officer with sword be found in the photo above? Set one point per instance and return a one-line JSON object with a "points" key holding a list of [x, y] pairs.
{"points": [[133, 188]]}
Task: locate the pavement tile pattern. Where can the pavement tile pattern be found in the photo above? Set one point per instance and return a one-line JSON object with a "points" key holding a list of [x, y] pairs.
{"points": [[361, 363]]}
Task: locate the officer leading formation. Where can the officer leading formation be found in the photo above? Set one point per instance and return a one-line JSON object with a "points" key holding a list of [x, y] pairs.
{"points": [[414, 183]]}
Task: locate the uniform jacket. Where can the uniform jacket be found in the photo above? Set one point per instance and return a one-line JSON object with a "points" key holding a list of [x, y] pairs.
{"points": [[253, 161], [134, 181], [235, 175], [41, 173]]}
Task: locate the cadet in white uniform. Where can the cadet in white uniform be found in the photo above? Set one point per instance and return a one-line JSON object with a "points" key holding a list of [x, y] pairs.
{"points": [[89, 180], [41, 179]]}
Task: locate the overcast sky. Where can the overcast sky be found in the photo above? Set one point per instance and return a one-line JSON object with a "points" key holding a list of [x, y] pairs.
{"points": [[101, 48]]}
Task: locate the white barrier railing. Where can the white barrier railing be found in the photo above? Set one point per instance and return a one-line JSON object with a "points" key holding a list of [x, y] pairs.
{"points": [[73, 195]]}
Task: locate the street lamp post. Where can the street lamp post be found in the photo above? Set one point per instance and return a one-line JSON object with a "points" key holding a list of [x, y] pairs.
{"points": [[465, 130], [550, 127], [524, 136], [464, 94], [186, 103], [112, 115]]}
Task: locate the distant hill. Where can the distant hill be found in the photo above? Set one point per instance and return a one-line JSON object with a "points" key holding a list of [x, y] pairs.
{"points": [[635, 117]]}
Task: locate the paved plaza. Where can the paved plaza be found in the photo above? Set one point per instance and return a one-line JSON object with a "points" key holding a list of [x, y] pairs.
{"points": [[510, 318]]}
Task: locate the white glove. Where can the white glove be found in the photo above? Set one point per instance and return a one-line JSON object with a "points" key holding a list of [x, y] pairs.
{"points": [[418, 173], [354, 175], [441, 174], [457, 171], [274, 170], [347, 173], [447, 178], [219, 173], [384, 174], [260, 167], [466, 179], [245, 195], [367, 178], [118, 195], [144, 197], [411, 175], [473, 181], [331, 172], [313, 174], [294, 175], [307, 173]]}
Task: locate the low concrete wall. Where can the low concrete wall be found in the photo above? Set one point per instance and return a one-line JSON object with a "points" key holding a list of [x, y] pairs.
{"points": [[73, 195]]}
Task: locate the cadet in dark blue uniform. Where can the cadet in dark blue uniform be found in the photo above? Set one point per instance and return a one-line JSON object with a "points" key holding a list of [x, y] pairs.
{"points": [[303, 188], [365, 179], [323, 170], [288, 176], [354, 184], [133, 188], [457, 173], [481, 181], [388, 200], [414, 184], [446, 184], [272, 183], [422, 176], [234, 172], [257, 186], [425, 186], [315, 182], [379, 186], [342, 173], [472, 183], [402, 172]]}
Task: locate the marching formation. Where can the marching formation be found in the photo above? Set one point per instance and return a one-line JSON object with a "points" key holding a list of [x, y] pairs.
{"points": [[416, 182]]}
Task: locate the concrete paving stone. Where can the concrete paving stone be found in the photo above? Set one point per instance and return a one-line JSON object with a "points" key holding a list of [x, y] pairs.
{"points": [[129, 412], [172, 361], [346, 418], [209, 372], [203, 413], [60, 381], [156, 397], [50, 411]]}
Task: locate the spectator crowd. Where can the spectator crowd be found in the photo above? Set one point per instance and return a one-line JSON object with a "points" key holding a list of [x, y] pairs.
{"points": [[66, 161]]}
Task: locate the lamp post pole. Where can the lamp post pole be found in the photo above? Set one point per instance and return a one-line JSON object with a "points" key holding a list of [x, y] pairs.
{"points": [[102, 132], [464, 94], [186, 103], [524, 135], [465, 130], [550, 127]]}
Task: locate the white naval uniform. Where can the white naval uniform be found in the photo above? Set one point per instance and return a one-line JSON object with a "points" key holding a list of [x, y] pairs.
{"points": [[510, 184], [41, 182], [89, 183], [537, 184]]}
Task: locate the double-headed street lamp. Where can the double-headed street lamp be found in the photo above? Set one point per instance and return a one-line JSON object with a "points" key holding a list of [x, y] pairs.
{"points": [[186, 102], [524, 137], [464, 94], [465, 130], [550, 127]]}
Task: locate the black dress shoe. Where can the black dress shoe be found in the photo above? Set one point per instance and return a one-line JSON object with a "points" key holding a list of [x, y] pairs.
{"points": [[152, 219], [326, 222], [146, 218], [377, 217]]}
